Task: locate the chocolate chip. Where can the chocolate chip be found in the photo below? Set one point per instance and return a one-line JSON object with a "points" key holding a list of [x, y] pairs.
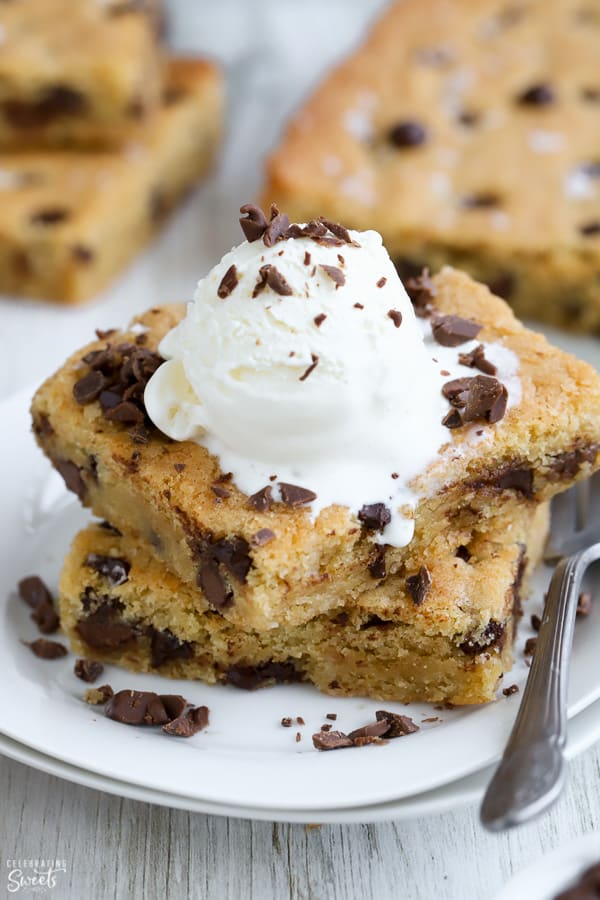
{"points": [[218, 594], [331, 740], [46, 649], [336, 275], [89, 387], [331, 716], [375, 516], [278, 224], [33, 591], [136, 708], [381, 282], [220, 492], [165, 646], [255, 222], [52, 215], [590, 229], [530, 645], [295, 496], [234, 554], [510, 690], [262, 500], [104, 631], [42, 425], [451, 331], [452, 419], [88, 670], [396, 316], [537, 95], [418, 585], [463, 553], [568, 464], [584, 603], [193, 721], [373, 729], [58, 101], [286, 722], [482, 200], [318, 320], [249, 678], [376, 564], [113, 568], [515, 477], [126, 412], [71, 476], [475, 359], [262, 537], [407, 134], [311, 368], [228, 283], [82, 254], [98, 696], [326, 727], [399, 726]]}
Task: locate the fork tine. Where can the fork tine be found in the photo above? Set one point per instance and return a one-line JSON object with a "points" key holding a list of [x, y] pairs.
{"points": [[582, 504]]}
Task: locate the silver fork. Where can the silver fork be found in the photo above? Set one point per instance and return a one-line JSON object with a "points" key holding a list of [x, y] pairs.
{"points": [[531, 773]]}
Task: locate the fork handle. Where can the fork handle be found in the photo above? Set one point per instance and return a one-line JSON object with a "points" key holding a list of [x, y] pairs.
{"points": [[531, 773]]}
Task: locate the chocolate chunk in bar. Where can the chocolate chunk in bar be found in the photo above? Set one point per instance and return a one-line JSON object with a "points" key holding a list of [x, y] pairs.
{"points": [[295, 496], [52, 215], [398, 726], [98, 696], [113, 568], [276, 228], [228, 283], [251, 677], [407, 134], [89, 388], [418, 585], [88, 670], [165, 646], [336, 275], [493, 635], [375, 516], [71, 476], [193, 721], [103, 630], [46, 649], [584, 603], [255, 222], [136, 708], [376, 564], [331, 740], [218, 594], [262, 500], [476, 360], [537, 95], [482, 200], [374, 729], [451, 331]]}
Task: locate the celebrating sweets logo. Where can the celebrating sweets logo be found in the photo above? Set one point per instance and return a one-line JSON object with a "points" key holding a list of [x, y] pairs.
{"points": [[37, 875]]}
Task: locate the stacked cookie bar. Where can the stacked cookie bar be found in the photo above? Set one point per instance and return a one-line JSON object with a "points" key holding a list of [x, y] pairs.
{"points": [[101, 134], [191, 577]]}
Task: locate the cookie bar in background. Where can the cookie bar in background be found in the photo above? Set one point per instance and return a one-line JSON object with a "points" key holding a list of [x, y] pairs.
{"points": [[466, 132], [119, 604], [265, 560], [70, 221], [76, 72]]}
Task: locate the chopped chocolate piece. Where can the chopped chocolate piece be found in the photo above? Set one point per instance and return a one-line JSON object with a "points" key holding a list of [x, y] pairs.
{"points": [[584, 603], [375, 516], [374, 729], [486, 399], [332, 716], [262, 537], [298, 737], [463, 553], [398, 726], [418, 585], [536, 622], [381, 282], [510, 690], [174, 704], [46, 649], [318, 320], [295, 496], [456, 390], [219, 491], [376, 565], [300, 720], [311, 368], [336, 275], [407, 134], [189, 724], [228, 283], [530, 645], [452, 419], [251, 677], [358, 306], [326, 727], [179, 467], [136, 708], [476, 360], [33, 591], [53, 215], [568, 464], [331, 740], [165, 646], [234, 553], [255, 223], [71, 476], [262, 500], [493, 634], [451, 331], [88, 670], [537, 95], [286, 722], [515, 477], [104, 631], [89, 387], [590, 229], [421, 290], [276, 228], [396, 316], [98, 696], [113, 568], [45, 617]]}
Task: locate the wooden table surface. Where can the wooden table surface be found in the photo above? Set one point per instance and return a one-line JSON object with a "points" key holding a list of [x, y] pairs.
{"points": [[118, 848]]}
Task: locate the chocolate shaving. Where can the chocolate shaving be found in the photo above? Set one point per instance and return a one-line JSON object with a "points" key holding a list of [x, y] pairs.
{"points": [[336, 275], [276, 228], [270, 276], [295, 496], [311, 368], [451, 331], [375, 516], [228, 283], [418, 585], [255, 223]]}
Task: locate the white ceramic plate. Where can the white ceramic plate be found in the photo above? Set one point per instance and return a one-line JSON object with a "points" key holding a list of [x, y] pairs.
{"points": [[584, 730], [553, 872], [245, 758]]}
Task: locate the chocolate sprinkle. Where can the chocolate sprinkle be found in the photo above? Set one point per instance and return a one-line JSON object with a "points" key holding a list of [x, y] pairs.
{"points": [[396, 316], [375, 516], [255, 223], [381, 282], [311, 368], [318, 320], [295, 496], [88, 670], [113, 568], [418, 585], [45, 649], [451, 331], [336, 275], [228, 283]]}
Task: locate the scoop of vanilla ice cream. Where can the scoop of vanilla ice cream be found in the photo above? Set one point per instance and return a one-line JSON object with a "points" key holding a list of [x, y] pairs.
{"points": [[329, 386]]}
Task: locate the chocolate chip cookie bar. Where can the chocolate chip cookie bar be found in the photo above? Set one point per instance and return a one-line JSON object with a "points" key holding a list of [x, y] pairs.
{"points": [[264, 564], [70, 221], [119, 604], [77, 73], [466, 133]]}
